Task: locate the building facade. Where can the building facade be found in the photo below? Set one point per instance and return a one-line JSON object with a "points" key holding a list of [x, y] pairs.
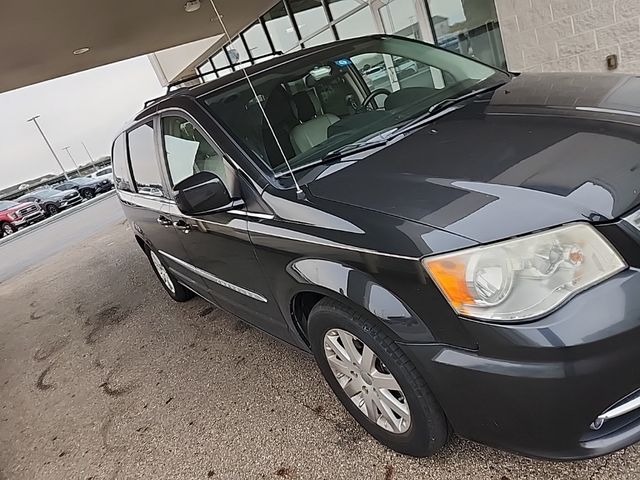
{"points": [[519, 35]]}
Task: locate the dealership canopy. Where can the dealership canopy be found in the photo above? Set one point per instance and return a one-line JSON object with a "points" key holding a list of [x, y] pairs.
{"points": [[41, 40]]}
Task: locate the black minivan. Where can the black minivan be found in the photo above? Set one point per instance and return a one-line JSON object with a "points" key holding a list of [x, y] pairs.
{"points": [[457, 246]]}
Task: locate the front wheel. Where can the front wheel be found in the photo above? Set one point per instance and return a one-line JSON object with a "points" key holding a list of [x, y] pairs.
{"points": [[177, 291], [88, 194], [8, 229], [375, 380], [51, 210]]}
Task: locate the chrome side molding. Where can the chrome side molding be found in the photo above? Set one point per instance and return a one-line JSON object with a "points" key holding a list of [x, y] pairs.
{"points": [[211, 277]]}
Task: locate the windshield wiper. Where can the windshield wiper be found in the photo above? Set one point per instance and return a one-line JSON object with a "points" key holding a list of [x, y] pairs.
{"points": [[351, 149], [441, 106], [337, 154]]}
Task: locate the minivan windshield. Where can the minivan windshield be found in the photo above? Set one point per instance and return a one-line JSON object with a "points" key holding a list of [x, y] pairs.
{"points": [[332, 100]]}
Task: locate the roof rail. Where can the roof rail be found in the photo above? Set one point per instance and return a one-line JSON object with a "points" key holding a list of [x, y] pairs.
{"points": [[201, 76], [162, 97]]}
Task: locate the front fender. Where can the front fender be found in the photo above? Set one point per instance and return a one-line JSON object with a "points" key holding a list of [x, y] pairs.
{"points": [[361, 289]]}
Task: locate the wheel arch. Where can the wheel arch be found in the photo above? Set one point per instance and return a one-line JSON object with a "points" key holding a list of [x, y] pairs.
{"points": [[319, 278]]}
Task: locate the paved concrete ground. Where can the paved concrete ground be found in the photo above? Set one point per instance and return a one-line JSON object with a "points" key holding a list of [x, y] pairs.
{"points": [[59, 232], [102, 376]]}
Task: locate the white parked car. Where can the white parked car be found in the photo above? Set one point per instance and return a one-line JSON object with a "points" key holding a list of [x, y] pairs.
{"points": [[103, 172]]}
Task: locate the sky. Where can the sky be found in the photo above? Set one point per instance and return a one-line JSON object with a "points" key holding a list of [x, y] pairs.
{"points": [[89, 107]]}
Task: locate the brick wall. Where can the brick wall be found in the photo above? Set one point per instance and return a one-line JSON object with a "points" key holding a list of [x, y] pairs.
{"points": [[570, 35]]}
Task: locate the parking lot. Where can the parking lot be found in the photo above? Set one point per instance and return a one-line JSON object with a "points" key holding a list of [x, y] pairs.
{"points": [[102, 376]]}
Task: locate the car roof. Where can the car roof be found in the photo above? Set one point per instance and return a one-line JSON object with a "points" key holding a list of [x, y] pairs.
{"points": [[210, 86]]}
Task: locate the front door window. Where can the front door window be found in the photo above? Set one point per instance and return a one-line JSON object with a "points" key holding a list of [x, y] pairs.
{"points": [[188, 152]]}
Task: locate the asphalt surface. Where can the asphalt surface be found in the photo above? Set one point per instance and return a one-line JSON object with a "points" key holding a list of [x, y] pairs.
{"points": [[103, 376], [33, 247]]}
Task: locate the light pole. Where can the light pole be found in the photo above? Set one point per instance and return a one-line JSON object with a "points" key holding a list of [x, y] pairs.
{"points": [[35, 121], [71, 157], [93, 164]]}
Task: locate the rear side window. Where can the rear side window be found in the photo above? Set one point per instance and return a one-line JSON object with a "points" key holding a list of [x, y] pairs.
{"points": [[121, 176], [142, 153]]}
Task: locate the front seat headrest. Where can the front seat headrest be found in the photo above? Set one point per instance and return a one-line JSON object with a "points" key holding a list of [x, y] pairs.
{"points": [[304, 109]]}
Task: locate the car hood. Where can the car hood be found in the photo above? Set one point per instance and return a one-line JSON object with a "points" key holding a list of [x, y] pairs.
{"points": [[64, 194], [541, 151], [20, 206]]}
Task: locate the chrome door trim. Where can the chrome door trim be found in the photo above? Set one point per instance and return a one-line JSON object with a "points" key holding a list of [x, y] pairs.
{"points": [[611, 111], [214, 279]]}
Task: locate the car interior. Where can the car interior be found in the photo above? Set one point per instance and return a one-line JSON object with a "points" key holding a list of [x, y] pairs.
{"points": [[325, 104]]}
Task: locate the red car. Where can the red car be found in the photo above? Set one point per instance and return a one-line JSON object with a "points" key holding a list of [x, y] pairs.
{"points": [[14, 215]]}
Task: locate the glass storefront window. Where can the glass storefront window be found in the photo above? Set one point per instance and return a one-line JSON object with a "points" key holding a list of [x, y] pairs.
{"points": [[257, 41], [341, 7], [280, 28], [321, 38], [237, 52], [206, 67], [469, 27], [206, 70], [400, 17], [358, 24], [309, 15], [220, 60]]}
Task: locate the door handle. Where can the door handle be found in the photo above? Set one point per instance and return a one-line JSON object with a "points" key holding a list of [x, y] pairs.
{"points": [[183, 226], [164, 221]]}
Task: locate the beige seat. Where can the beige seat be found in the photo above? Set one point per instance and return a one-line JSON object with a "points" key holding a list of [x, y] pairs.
{"points": [[313, 128]]}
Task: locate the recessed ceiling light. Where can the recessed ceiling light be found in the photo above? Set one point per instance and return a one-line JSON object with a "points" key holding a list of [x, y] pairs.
{"points": [[192, 6], [80, 51]]}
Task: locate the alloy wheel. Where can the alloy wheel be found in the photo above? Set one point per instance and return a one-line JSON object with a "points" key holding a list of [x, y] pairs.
{"points": [[7, 229], [162, 272], [367, 381]]}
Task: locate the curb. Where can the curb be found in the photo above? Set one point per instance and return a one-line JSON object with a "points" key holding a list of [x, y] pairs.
{"points": [[55, 218]]}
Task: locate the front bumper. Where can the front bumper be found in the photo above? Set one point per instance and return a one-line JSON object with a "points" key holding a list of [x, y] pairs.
{"points": [[28, 219], [70, 202], [103, 187], [536, 388]]}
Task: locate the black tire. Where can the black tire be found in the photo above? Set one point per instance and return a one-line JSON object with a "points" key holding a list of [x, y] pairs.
{"points": [[51, 210], [88, 194], [428, 430], [179, 293], [7, 229]]}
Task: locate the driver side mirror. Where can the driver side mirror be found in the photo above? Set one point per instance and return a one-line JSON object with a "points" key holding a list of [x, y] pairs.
{"points": [[203, 193]]}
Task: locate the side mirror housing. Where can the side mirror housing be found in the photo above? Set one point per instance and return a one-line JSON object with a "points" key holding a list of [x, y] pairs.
{"points": [[203, 193]]}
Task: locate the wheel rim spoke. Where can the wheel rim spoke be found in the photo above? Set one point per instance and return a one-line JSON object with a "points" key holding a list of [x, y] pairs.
{"points": [[368, 360], [377, 394], [338, 366], [394, 404], [371, 409], [385, 380], [352, 388], [347, 340], [331, 341], [391, 423]]}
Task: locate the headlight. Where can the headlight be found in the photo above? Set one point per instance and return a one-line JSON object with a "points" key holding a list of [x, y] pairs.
{"points": [[13, 216], [526, 277]]}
